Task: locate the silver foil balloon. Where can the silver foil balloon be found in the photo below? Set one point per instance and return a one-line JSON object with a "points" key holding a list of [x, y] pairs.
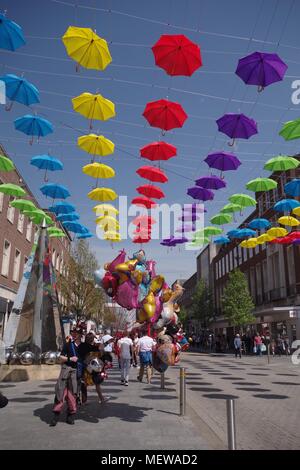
{"points": [[7, 357], [49, 358], [14, 358], [27, 358], [94, 365]]}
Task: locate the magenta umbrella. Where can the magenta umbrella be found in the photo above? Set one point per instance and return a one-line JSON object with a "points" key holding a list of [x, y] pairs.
{"points": [[237, 126], [201, 194], [211, 182], [222, 161], [261, 69]]}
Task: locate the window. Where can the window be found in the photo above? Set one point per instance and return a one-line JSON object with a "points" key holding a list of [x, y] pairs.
{"points": [[21, 223], [10, 212], [265, 276], [5, 258], [57, 262], [29, 231], [1, 198], [17, 263], [53, 258], [291, 265], [258, 283], [25, 260]]}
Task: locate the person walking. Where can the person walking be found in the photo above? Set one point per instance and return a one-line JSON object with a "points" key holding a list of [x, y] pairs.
{"points": [[237, 345], [258, 344], [145, 347], [125, 345]]}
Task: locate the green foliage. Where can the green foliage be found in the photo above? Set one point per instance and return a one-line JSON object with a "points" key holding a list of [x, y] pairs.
{"points": [[202, 304], [183, 315], [237, 301]]}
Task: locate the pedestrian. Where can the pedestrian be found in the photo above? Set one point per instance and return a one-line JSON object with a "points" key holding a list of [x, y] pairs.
{"points": [[134, 350], [145, 347], [125, 345], [237, 345], [107, 340], [258, 344], [3, 400]]}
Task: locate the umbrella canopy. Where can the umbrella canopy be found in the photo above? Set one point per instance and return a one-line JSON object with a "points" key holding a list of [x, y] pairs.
{"points": [[98, 170], [23, 205], [86, 48], [222, 240], [277, 232], [199, 241], [242, 200], [296, 211], [85, 235], [144, 202], [231, 208], [168, 242], [11, 34], [108, 223], [281, 163], [68, 217], [58, 234], [189, 217], [293, 188], [55, 191], [185, 228], [200, 194], [264, 238], [112, 236], [6, 164], [221, 219], [96, 145], [259, 223], [46, 162], [294, 235], [180, 240], [211, 231], [150, 190], [75, 227], [211, 182], [152, 173], [37, 216], [12, 190], [261, 184], [158, 151], [296, 242], [94, 106], [20, 90], [177, 54], [289, 221], [282, 241], [233, 233], [237, 126], [291, 130], [102, 194], [140, 239], [61, 207], [251, 243], [105, 208], [261, 69], [164, 114], [244, 233], [144, 220], [286, 205], [33, 125], [222, 161]]}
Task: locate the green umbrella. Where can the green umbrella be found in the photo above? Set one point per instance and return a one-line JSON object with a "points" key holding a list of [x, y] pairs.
{"points": [[281, 163], [211, 231], [243, 200], [57, 234], [231, 208], [37, 216], [291, 130], [12, 189], [261, 184], [6, 164], [23, 205], [198, 241], [221, 219]]}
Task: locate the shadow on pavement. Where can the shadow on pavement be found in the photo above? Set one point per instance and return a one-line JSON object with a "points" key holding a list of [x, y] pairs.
{"points": [[285, 383], [289, 375], [245, 383], [158, 397], [205, 389], [27, 399], [250, 389], [219, 396], [198, 383], [272, 397], [232, 378], [6, 386], [258, 375], [42, 392]]}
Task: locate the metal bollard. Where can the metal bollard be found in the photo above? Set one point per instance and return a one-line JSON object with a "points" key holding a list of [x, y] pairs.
{"points": [[162, 380], [231, 433], [182, 392]]}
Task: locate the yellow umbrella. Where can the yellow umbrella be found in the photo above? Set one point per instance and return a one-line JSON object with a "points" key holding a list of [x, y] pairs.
{"points": [[94, 107], [264, 238], [277, 232], [96, 144], [102, 194], [105, 209], [289, 220], [98, 170], [296, 211], [108, 223], [250, 243], [112, 236], [87, 48]]}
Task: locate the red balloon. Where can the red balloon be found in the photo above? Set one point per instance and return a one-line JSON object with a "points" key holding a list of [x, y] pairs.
{"points": [[165, 114], [158, 151], [150, 190], [152, 173]]}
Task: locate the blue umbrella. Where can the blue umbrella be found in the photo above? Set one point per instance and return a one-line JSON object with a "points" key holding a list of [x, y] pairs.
{"points": [[245, 232], [33, 125], [20, 90], [232, 233], [85, 235], [68, 217], [221, 240], [75, 227], [259, 224], [286, 205], [292, 188], [46, 162], [11, 34], [61, 207], [56, 191]]}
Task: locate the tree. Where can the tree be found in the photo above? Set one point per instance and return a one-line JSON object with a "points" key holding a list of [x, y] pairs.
{"points": [[236, 301], [183, 316], [202, 304]]}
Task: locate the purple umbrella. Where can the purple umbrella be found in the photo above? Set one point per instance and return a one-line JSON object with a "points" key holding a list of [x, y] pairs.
{"points": [[261, 69], [237, 126], [168, 242], [222, 161], [189, 217], [185, 228], [201, 194], [180, 240], [193, 208], [211, 182]]}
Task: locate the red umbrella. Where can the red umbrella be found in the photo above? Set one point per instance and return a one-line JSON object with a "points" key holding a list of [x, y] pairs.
{"points": [[142, 232], [177, 54], [150, 190], [152, 173], [144, 219], [143, 239], [144, 202], [165, 114], [158, 151]]}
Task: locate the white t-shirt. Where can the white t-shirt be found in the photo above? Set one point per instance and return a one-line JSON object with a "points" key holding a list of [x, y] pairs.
{"points": [[108, 347], [146, 343], [124, 345]]}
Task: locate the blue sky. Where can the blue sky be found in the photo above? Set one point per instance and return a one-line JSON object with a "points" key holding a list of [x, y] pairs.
{"points": [[225, 31]]}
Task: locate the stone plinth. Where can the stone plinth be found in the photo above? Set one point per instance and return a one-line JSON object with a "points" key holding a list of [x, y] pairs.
{"points": [[23, 373]]}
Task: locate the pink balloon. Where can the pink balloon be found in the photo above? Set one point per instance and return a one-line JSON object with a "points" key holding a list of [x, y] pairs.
{"points": [[151, 267], [127, 295], [158, 309], [118, 260]]}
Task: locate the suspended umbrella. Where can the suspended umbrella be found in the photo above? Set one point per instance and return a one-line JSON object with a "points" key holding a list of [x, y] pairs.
{"points": [[141, 239], [261, 184], [158, 151], [293, 188], [144, 220], [105, 208], [85, 47], [112, 236], [144, 202], [282, 241], [222, 240], [96, 145], [55, 191], [211, 231], [200, 194], [189, 217], [37, 216], [296, 242], [164, 114], [185, 228], [102, 194], [98, 170], [237, 126], [150, 190], [277, 232], [261, 69], [251, 243], [55, 229], [291, 130], [180, 240], [177, 54], [94, 107], [152, 173], [242, 200], [33, 125], [286, 205], [23, 204], [244, 233], [168, 242], [12, 190], [264, 238], [233, 233], [222, 161], [75, 227], [258, 224], [281, 163], [11, 34], [61, 207], [231, 208], [221, 219], [6, 164], [60, 234], [211, 182], [296, 211], [193, 208], [198, 241], [85, 235], [142, 232], [107, 220], [289, 221], [294, 235], [47, 163], [20, 90], [68, 217]]}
